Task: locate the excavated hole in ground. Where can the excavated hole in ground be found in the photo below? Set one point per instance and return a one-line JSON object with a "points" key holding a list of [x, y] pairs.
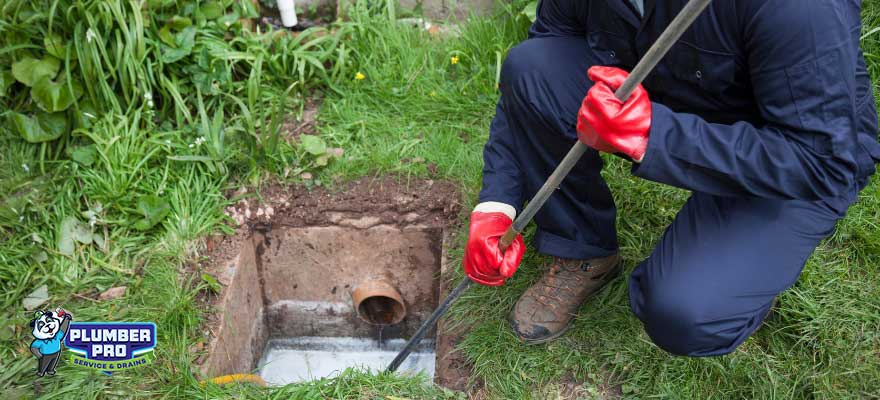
{"points": [[309, 276], [286, 311]]}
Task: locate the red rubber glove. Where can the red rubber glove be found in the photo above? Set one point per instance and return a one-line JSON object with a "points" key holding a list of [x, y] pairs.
{"points": [[483, 261], [606, 124]]}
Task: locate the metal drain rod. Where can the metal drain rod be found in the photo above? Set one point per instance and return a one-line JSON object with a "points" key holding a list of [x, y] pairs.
{"points": [[676, 28], [431, 321]]}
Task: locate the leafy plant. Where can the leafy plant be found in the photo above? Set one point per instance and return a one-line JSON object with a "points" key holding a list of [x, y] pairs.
{"points": [[211, 282], [530, 11], [53, 96], [313, 145], [29, 70], [72, 231], [153, 209], [41, 127]]}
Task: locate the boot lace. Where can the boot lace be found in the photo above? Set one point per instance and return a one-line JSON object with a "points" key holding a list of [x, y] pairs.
{"points": [[563, 276]]}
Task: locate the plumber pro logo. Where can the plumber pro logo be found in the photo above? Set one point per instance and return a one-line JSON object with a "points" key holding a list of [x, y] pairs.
{"points": [[111, 346]]}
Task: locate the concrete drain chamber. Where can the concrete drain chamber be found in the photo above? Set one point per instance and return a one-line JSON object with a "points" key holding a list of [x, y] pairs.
{"points": [[303, 302]]}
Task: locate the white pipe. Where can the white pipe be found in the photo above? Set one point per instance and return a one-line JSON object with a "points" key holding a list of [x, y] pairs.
{"points": [[288, 12]]}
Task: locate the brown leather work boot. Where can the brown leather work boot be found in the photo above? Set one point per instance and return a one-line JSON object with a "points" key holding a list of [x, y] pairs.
{"points": [[545, 310]]}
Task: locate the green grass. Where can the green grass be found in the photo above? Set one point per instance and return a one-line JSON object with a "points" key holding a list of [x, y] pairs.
{"points": [[415, 115]]}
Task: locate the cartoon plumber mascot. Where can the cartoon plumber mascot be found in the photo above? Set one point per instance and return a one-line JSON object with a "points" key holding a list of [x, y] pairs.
{"points": [[49, 328]]}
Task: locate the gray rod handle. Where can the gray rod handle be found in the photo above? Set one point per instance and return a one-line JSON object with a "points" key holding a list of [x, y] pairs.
{"points": [[658, 50]]}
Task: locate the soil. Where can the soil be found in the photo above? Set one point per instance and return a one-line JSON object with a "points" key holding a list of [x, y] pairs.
{"points": [[292, 127], [569, 387], [220, 248], [361, 204], [365, 203], [453, 370]]}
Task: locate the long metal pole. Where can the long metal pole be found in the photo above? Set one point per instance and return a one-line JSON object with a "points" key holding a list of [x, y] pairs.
{"points": [[420, 334], [676, 28]]}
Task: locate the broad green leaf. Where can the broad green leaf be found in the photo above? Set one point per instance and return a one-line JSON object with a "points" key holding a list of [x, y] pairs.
{"points": [[73, 230], [531, 11], [67, 235], [86, 115], [166, 36], [28, 128], [54, 96], [185, 40], [170, 55], [211, 10], [82, 233], [154, 209], [313, 144], [203, 61], [6, 80], [228, 19], [212, 282], [178, 23], [42, 127], [36, 298], [204, 82], [55, 124], [100, 241], [29, 70], [84, 155], [322, 161], [56, 47]]}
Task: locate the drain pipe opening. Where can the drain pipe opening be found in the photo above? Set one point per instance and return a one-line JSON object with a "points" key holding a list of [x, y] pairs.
{"points": [[377, 302]]}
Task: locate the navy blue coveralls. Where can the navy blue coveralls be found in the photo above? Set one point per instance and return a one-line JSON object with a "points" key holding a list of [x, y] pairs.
{"points": [[763, 110]]}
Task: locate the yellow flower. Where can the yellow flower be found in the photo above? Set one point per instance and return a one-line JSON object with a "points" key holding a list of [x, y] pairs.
{"points": [[454, 60], [432, 94], [359, 76]]}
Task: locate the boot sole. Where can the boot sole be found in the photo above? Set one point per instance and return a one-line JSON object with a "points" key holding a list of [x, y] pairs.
{"points": [[542, 340], [561, 332]]}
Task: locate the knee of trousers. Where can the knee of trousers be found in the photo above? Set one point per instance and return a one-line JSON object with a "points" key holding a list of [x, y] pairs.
{"points": [[525, 80], [684, 322]]}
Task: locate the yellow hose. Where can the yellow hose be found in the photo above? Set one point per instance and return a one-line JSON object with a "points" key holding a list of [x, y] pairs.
{"points": [[235, 378]]}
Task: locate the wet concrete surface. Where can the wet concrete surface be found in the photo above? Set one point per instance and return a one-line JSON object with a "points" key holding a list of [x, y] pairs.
{"points": [[300, 359]]}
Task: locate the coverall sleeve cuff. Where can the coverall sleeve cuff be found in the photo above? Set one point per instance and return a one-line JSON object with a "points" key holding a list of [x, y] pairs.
{"points": [[494, 206], [650, 167]]}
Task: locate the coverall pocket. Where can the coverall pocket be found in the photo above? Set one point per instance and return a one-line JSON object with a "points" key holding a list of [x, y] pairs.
{"points": [[821, 102], [712, 71]]}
